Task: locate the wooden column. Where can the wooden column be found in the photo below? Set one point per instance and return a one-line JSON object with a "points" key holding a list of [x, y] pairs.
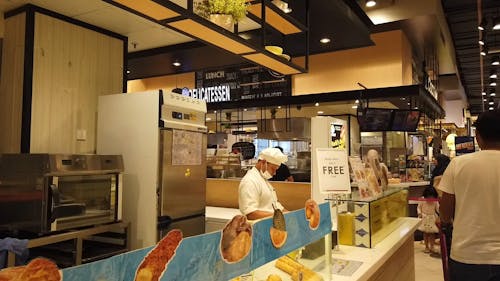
{"points": [[54, 69]]}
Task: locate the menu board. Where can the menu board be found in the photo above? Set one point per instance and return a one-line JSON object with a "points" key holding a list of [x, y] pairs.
{"points": [[246, 82]]}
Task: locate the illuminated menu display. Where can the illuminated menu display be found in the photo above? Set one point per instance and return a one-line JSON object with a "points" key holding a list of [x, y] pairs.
{"points": [[244, 82]]}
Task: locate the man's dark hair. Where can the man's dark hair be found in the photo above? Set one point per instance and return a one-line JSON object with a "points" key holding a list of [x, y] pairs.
{"points": [[488, 125]]}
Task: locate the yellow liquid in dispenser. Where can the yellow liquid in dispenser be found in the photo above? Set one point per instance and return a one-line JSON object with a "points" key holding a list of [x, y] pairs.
{"points": [[345, 228]]}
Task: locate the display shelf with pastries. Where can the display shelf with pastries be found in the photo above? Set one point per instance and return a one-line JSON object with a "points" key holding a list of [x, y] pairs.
{"points": [[389, 260], [364, 222]]}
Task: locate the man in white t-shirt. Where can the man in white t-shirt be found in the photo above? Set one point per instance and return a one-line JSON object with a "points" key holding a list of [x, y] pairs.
{"points": [[471, 201], [256, 195]]}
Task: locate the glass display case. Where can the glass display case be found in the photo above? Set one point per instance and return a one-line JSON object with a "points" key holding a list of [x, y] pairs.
{"points": [[365, 222]]}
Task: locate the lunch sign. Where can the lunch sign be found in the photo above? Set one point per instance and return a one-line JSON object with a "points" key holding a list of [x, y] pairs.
{"points": [[239, 83]]}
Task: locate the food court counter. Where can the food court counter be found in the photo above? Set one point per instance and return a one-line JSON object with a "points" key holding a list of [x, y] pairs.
{"points": [[391, 259], [224, 193]]}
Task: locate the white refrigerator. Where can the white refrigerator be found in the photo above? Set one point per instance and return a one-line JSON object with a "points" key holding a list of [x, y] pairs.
{"points": [[162, 137]]}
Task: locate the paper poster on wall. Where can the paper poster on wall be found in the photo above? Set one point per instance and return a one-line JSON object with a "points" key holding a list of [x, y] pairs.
{"points": [[186, 148], [333, 170]]}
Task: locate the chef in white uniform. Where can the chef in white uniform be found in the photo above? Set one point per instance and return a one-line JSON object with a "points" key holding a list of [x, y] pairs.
{"points": [[256, 195]]}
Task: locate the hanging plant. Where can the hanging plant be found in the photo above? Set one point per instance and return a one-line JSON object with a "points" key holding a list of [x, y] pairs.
{"points": [[237, 9]]}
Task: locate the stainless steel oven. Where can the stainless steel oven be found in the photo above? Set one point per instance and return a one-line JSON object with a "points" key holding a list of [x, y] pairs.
{"points": [[43, 193]]}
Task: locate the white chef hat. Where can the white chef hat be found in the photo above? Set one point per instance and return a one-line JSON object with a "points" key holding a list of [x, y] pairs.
{"points": [[273, 156]]}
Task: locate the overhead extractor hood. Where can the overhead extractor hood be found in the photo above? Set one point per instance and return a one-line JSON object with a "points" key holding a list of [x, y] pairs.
{"points": [[298, 128]]}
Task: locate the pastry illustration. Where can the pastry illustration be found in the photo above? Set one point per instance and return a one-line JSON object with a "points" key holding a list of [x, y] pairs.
{"points": [[236, 239], [313, 214], [155, 262], [38, 269], [278, 232]]}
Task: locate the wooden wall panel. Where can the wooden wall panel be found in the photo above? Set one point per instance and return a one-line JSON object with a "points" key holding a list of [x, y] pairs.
{"points": [[374, 66], [11, 83], [168, 82], [72, 67]]}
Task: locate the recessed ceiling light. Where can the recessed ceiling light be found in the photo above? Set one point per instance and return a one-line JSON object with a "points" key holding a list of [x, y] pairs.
{"points": [[496, 23], [128, 71], [316, 104], [354, 106], [208, 119], [279, 106], [244, 109], [176, 63], [325, 40], [493, 83], [320, 112], [215, 111], [485, 100], [356, 101], [483, 93], [495, 60], [370, 3], [493, 75], [492, 94], [491, 108]]}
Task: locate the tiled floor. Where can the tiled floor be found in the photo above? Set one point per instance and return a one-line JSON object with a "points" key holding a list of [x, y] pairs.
{"points": [[427, 267]]}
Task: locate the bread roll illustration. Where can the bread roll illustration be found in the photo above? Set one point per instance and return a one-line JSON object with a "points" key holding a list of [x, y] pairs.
{"points": [[236, 239], [38, 269], [313, 214]]}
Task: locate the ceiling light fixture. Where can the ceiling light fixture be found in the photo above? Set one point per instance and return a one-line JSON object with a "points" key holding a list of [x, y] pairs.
{"points": [[370, 3], [491, 102], [493, 82], [481, 42], [354, 106], [484, 51], [496, 23], [483, 93], [316, 104], [482, 25], [495, 60], [176, 63], [491, 108], [325, 40], [128, 71], [492, 94], [320, 112], [493, 74], [356, 101]]}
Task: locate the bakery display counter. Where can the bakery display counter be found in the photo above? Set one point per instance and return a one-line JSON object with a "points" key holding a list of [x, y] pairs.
{"points": [[365, 222], [391, 259]]}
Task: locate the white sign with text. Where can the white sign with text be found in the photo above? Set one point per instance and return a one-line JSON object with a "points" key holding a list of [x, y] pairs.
{"points": [[333, 171]]}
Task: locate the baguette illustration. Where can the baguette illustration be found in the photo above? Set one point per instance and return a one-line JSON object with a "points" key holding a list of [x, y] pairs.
{"points": [[156, 261]]}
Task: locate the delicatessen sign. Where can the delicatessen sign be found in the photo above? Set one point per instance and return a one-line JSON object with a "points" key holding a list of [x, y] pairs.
{"points": [[239, 83]]}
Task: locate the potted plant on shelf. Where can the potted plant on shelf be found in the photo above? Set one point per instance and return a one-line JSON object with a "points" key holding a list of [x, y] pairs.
{"points": [[222, 12]]}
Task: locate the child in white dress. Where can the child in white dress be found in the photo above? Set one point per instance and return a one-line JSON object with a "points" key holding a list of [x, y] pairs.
{"points": [[428, 210]]}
